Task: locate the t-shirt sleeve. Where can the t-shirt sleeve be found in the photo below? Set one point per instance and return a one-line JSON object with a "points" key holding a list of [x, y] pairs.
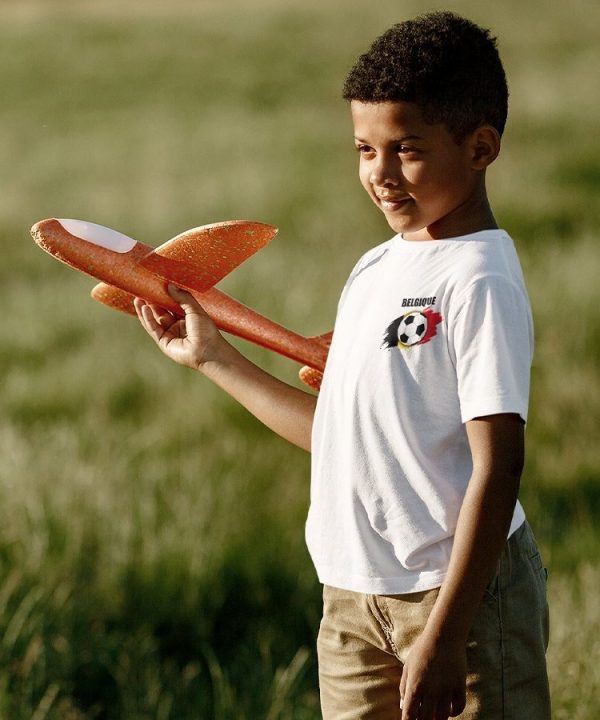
{"points": [[491, 337]]}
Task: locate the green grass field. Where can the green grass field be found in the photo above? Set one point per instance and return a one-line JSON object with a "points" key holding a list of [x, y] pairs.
{"points": [[152, 560]]}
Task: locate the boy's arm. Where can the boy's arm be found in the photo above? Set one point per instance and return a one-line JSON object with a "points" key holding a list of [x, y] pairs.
{"points": [[194, 341], [434, 676]]}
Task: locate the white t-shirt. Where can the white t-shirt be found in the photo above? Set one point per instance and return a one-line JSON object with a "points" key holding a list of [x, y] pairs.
{"points": [[428, 335]]}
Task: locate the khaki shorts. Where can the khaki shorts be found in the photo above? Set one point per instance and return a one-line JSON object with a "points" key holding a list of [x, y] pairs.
{"points": [[364, 639]]}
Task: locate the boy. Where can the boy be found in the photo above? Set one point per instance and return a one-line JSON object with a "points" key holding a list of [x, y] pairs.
{"points": [[434, 591]]}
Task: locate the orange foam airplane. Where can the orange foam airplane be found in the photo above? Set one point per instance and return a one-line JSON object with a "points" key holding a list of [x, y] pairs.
{"points": [[195, 260]]}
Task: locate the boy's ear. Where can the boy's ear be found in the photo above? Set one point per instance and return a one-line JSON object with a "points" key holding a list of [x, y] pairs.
{"points": [[484, 144]]}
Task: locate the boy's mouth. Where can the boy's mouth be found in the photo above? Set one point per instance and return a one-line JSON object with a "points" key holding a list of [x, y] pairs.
{"points": [[391, 204]]}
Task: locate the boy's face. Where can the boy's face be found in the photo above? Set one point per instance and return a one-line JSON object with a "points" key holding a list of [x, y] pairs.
{"points": [[424, 183]]}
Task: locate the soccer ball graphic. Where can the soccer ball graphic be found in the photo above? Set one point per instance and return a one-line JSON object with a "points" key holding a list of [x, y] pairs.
{"points": [[412, 328]]}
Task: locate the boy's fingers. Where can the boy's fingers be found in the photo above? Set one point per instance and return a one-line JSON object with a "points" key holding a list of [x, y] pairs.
{"points": [[188, 302], [182, 296], [149, 321], [443, 709], [155, 326], [427, 709], [161, 316], [459, 700], [138, 304], [403, 684], [410, 706], [176, 292], [151, 314]]}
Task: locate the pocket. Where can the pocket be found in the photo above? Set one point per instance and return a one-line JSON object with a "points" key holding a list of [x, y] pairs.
{"points": [[543, 575], [536, 561], [491, 591]]}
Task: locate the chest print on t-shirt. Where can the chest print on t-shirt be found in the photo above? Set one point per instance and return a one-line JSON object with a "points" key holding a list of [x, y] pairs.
{"points": [[415, 327]]}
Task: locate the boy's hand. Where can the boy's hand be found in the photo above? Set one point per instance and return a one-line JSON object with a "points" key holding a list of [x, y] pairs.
{"points": [[195, 341], [189, 341], [433, 684]]}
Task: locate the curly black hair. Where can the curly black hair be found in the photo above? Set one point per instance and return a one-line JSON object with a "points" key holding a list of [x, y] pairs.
{"points": [[446, 64]]}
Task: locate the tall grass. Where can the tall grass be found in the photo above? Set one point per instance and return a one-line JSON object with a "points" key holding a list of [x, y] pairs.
{"points": [[152, 562]]}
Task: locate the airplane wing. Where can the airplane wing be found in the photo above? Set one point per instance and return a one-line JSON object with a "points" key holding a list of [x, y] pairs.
{"points": [[198, 258], [114, 298]]}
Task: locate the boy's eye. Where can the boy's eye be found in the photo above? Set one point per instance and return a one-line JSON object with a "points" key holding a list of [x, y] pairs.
{"points": [[401, 149]]}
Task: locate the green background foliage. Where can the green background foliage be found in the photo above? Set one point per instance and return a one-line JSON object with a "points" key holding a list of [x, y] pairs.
{"points": [[152, 562]]}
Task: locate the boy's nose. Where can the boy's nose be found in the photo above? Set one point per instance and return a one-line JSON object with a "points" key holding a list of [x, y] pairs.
{"points": [[383, 173]]}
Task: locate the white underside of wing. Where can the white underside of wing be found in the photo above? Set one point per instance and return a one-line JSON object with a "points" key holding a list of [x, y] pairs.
{"points": [[98, 235]]}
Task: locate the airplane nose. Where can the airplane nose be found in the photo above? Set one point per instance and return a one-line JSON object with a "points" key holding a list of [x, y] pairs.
{"points": [[98, 235]]}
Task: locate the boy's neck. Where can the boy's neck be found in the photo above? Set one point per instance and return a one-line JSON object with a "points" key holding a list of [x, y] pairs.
{"points": [[474, 215]]}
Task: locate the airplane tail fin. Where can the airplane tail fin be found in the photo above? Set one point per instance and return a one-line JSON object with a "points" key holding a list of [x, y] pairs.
{"points": [[324, 339], [310, 376]]}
